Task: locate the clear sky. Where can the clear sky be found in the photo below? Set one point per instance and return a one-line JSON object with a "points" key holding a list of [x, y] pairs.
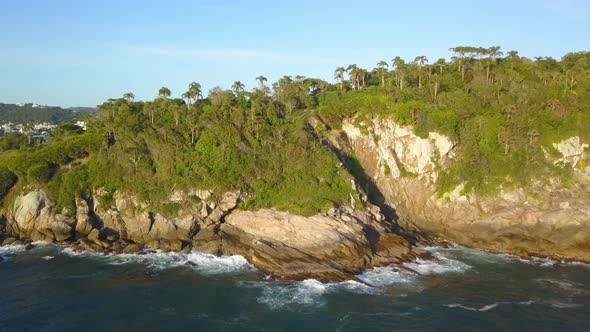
{"points": [[81, 52]]}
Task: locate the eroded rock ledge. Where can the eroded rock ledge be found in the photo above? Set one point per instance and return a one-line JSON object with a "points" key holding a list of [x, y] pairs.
{"points": [[333, 246]]}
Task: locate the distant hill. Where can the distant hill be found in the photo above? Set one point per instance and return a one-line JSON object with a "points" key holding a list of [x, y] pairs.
{"points": [[34, 113]]}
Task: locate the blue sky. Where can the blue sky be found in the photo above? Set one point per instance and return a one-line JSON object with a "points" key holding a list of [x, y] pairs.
{"points": [[79, 53]]}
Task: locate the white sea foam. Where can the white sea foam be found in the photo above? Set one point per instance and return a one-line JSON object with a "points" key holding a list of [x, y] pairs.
{"points": [[439, 264], [385, 276], [47, 257], [9, 250], [545, 261], [309, 292], [484, 308], [159, 260]]}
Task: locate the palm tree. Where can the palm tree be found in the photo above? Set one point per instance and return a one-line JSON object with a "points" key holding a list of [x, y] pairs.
{"points": [[261, 79], [353, 74], [400, 68], [382, 69], [441, 64], [129, 96], [164, 92], [494, 53], [195, 89], [28, 130], [237, 87], [339, 76], [419, 61]]}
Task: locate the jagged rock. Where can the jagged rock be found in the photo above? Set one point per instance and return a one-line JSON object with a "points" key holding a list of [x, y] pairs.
{"points": [[29, 246], [189, 263], [89, 245], [61, 230], [229, 201], [83, 226]]}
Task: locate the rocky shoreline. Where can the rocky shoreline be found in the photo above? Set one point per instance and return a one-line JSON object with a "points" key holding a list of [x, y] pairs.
{"points": [[328, 247]]}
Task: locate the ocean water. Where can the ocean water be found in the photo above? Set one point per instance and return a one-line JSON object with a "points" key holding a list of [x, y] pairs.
{"points": [[55, 289]]}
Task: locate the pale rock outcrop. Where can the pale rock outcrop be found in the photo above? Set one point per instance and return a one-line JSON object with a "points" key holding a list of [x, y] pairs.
{"points": [[400, 150], [32, 217], [552, 221], [571, 150]]}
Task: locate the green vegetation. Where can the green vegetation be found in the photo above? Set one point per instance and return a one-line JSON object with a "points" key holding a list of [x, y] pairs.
{"points": [[27, 113], [501, 112]]}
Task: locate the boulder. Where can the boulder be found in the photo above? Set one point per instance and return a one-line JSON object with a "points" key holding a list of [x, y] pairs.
{"points": [[94, 236], [132, 249]]}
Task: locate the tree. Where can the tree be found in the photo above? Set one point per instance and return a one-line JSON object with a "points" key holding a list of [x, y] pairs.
{"points": [[357, 76], [382, 70], [129, 96], [420, 61], [494, 53], [28, 130], [195, 90], [261, 79], [164, 92], [400, 71], [237, 87], [339, 76], [441, 64]]}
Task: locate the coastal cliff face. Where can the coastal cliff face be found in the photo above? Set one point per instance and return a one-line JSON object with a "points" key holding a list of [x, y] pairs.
{"points": [[543, 219], [331, 246]]}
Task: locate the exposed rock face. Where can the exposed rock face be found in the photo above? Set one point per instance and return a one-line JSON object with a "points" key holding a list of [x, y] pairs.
{"points": [[296, 247], [334, 246], [545, 221], [33, 218], [571, 149]]}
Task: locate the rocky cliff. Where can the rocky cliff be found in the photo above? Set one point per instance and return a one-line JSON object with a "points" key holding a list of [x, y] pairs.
{"points": [[332, 246], [549, 220]]}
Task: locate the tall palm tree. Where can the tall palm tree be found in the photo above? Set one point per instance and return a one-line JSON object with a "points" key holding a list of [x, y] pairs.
{"points": [[441, 64], [339, 76], [352, 71], [164, 92], [261, 79], [195, 89], [400, 70], [28, 130], [237, 87], [420, 61], [382, 67], [494, 53]]}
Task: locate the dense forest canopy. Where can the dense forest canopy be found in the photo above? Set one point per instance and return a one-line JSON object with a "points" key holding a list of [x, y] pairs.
{"points": [[32, 113], [501, 110]]}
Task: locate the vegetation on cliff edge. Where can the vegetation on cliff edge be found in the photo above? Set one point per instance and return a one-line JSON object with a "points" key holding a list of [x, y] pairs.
{"points": [[500, 110]]}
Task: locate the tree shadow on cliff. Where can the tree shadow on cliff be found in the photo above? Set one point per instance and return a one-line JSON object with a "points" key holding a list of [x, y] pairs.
{"points": [[354, 167]]}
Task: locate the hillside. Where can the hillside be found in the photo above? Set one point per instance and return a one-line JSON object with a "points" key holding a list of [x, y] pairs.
{"points": [[33, 113]]}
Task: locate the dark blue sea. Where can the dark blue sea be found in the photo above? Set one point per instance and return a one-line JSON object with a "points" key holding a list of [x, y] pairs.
{"points": [[51, 288]]}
